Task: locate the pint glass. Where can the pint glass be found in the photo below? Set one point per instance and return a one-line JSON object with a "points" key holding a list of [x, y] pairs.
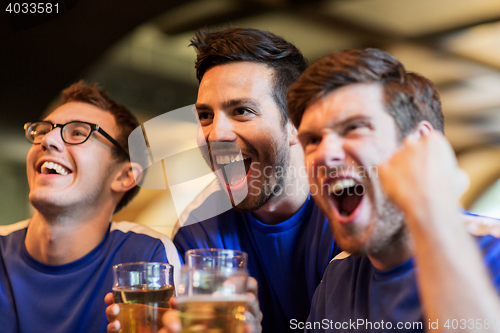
{"points": [[212, 293], [143, 291]]}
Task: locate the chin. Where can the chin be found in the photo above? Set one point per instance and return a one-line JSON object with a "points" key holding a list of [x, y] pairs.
{"points": [[251, 203]]}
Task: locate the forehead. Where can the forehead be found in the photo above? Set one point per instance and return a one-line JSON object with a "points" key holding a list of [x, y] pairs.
{"points": [[355, 100], [82, 112], [237, 80]]}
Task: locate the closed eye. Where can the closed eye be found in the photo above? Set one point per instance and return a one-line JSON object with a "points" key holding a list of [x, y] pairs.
{"points": [[309, 141], [356, 127]]}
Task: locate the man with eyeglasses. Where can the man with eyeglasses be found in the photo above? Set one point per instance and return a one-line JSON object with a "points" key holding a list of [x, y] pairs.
{"points": [[56, 267]]}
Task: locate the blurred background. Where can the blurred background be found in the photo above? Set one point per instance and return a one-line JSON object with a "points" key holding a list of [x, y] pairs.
{"points": [[138, 51]]}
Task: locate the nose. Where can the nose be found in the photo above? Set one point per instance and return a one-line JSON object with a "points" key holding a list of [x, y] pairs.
{"points": [[53, 141], [221, 129], [330, 152]]}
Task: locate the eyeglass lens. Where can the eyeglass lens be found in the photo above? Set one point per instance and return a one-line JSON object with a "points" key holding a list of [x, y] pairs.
{"points": [[74, 132]]}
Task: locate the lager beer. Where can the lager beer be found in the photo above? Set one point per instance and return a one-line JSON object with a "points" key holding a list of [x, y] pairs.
{"points": [[143, 291], [141, 308], [211, 313]]}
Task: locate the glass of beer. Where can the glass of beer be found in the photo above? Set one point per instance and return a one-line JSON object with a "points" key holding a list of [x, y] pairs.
{"points": [[212, 293], [143, 291]]}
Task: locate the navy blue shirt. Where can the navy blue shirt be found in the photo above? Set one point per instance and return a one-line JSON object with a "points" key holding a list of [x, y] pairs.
{"points": [[35, 297], [356, 297]]}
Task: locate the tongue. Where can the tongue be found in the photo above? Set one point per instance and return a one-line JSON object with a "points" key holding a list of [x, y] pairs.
{"points": [[47, 171], [348, 203], [234, 173]]}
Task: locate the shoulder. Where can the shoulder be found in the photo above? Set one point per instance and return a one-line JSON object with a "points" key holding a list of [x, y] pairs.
{"points": [[146, 235], [211, 202], [130, 228], [340, 265], [342, 259], [11, 228], [210, 225]]}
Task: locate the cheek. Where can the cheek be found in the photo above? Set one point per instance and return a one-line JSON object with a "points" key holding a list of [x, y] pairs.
{"points": [[366, 154], [30, 159], [312, 174]]}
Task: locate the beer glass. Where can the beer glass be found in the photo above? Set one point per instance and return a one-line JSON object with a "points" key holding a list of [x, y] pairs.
{"points": [[212, 293], [143, 291]]}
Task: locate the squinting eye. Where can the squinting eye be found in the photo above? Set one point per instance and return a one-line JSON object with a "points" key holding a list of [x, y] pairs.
{"points": [[355, 127], [240, 112], [204, 116], [313, 141], [78, 133], [39, 132]]}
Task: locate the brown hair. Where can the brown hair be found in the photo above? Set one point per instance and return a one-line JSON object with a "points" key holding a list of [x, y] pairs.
{"points": [[125, 120], [409, 97], [245, 44]]}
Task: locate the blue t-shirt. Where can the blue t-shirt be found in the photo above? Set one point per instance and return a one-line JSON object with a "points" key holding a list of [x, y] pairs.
{"points": [[287, 259], [356, 297], [35, 297]]}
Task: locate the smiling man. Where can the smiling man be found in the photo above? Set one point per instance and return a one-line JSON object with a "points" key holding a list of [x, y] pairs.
{"points": [[244, 75], [353, 110], [56, 267]]}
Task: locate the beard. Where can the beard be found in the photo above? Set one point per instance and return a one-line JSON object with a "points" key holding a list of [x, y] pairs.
{"points": [[390, 228], [271, 184]]}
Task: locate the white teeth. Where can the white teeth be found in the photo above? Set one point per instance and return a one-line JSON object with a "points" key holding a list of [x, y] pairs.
{"points": [[226, 159], [339, 185], [54, 166]]}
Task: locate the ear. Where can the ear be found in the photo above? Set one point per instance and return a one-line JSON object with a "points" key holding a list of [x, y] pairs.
{"points": [[292, 134], [128, 176], [424, 128]]}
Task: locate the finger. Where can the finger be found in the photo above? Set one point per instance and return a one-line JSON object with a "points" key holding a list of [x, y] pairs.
{"points": [[108, 299], [112, 312], [114, 327], [172, 321], [252, 304], [252, 286], [172, 302]]}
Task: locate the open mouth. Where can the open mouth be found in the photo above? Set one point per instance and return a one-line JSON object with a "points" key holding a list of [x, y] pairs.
{"points": [[235, 172], [52, 168], [347, 195]]}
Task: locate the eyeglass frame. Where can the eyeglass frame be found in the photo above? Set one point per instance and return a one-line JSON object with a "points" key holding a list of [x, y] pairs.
{"points": [[93, 128]]}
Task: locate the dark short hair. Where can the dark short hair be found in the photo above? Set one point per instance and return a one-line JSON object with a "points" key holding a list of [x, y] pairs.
{"points": [[125, 120], [409, 97], [245, 44]]}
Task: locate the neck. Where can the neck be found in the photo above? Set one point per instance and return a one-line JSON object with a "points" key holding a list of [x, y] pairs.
{"points": [[61, 239], [396, 252], [294, 194]]}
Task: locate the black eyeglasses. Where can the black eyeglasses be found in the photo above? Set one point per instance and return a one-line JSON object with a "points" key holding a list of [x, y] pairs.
{"points": [[72, 133]]}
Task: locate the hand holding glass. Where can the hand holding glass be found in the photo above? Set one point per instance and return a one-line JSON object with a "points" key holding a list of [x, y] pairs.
{"points": [[212, 293], [143, 291]]}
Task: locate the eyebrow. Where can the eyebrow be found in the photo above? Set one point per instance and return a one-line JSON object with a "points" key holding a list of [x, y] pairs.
{"points": [[70, 121], [230, 103], [352, 118], [336, 125]]}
